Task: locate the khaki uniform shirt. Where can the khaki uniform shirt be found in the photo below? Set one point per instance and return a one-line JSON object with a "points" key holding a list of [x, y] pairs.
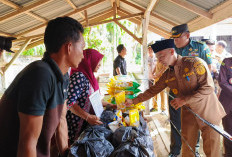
{"points": [[191, 80]]}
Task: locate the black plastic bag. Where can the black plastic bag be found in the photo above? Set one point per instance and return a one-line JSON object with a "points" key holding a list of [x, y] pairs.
{"points": [[107, 116], [131, 149], [92, 143], [96, 131], [132, 142]]}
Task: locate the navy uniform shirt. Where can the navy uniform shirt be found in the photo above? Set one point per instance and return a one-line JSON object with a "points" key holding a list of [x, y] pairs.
{"points": [[196, 49], [40, 90], [120, 62]]}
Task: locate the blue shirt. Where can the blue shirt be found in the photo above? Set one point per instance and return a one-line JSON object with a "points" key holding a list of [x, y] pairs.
{"points": [[196, 49]]}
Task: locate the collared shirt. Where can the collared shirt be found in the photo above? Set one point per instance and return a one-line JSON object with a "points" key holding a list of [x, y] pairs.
{"points": [[225, 82], [192, 81], [40, 89], [120, 62], [196, 49]]}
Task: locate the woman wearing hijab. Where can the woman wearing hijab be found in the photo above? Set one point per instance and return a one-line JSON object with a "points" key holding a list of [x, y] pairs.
{"points": [[81, 85]]}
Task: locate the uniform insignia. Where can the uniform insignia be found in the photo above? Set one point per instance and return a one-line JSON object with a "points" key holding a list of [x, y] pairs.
{"points": [[200, 69], [171, 79], [175, 91], [188, 74], [208, 55], [186, 70], [190, 49]]}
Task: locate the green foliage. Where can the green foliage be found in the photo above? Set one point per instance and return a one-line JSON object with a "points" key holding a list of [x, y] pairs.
{"points": [[36, 51], [105, 39]]}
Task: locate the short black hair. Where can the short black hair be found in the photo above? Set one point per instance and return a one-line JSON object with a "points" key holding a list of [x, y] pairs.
{"points": [[120, 48], [60, 31]]}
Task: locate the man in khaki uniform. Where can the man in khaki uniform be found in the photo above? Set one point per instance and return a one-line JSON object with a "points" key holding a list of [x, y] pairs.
{"points": [[190, 80]]}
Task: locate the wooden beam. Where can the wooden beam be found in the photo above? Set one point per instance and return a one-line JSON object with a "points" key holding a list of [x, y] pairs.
{"points": [[193, 8], [15, 6], [37, 17], [30, 30], [6, 34], [16, 55], [95, 18], [86, 18], [10, 4], [23, 10], [29, 37], [115, 9], [74, 7], [39, 42], [159, 30], [221, 12], [69, 14], [150, 6], [85, 7], [152, 14], [118, 3], [129, 32], [117, 19], [112, 2]]}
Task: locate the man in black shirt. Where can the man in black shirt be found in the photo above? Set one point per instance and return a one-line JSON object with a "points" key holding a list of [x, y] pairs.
{"points": [[120, 62], [31, 107]]}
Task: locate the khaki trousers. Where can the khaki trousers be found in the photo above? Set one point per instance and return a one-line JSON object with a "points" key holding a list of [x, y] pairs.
{"points": [[189, 130]]}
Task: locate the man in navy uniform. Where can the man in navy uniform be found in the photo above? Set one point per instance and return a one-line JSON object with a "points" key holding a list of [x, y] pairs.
{"points": [[184, 46]]}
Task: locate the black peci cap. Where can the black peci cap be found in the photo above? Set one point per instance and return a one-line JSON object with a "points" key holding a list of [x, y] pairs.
{"points": [[178, 30], [163, 44], [6, 43]]}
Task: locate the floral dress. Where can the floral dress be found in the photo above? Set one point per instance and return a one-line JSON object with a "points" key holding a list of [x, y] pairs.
{"points": [[78, 94]]}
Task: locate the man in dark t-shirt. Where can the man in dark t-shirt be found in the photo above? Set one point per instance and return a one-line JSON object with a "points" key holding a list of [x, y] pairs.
{"points": [[120, 62], [31, 107]]}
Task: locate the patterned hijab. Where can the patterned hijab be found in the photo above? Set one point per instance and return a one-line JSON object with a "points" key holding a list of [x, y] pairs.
{"points": [[88, 64]]}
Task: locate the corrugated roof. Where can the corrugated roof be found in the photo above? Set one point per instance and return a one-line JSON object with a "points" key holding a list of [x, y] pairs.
{"points": [[18, 23], [4, 9], [164, 16], [51, 9], [174, 12], [206, 4]]}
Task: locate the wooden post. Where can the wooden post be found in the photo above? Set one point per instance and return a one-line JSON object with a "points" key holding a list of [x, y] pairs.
{"points": [[145, 24], [145, 60]]}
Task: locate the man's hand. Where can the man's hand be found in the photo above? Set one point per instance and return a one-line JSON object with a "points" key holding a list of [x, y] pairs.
{"points": [[128, 102], [177, 103]]}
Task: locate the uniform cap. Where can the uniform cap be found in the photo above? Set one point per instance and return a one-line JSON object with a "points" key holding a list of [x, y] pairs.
{"points": [[163, 44], [178, 30]]}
